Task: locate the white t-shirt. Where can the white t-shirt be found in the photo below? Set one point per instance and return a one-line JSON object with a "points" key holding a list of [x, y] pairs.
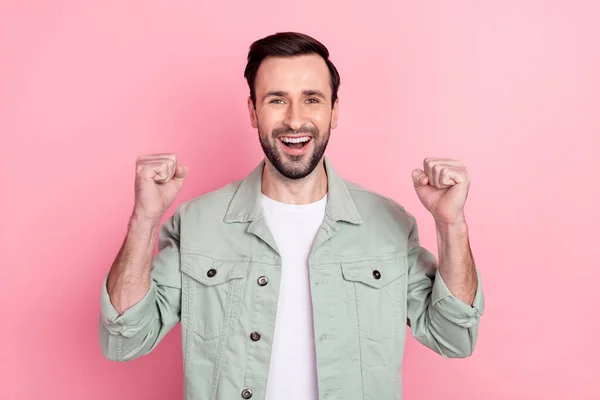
{"points": [[293, 373]]}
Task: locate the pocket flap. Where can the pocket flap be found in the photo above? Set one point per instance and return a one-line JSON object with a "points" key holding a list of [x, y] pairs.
{"points": [[197, 266], [367, 271]]}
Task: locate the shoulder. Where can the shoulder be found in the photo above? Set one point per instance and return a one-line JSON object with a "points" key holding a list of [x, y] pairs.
{"points": [[213, 203], [376, 206]]}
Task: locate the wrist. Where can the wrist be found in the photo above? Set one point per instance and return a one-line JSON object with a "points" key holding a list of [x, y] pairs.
{"points": [[454, 224], [143, 225], [447, 229], [142, 219]]}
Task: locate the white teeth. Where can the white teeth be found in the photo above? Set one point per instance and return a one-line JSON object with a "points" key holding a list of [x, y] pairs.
{"points": [[295, 140]]}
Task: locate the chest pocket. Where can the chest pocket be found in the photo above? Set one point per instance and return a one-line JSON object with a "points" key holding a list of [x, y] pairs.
{"points": [[211, 293], [380, 293]]}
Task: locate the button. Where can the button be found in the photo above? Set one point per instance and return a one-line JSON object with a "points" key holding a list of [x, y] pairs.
{"points": [[246, 393], [255, 336], [376, 274], [211, 272], [262, 281]]}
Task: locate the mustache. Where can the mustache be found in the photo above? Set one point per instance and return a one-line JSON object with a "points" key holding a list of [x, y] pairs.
{"points": [[287, 130]]}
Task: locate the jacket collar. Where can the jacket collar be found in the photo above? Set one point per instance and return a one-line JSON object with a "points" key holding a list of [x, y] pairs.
{"points": [[246, 203]]}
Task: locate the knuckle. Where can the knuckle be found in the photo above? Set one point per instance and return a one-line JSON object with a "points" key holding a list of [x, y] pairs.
{"points": [[144, 157], [168, 156], [165, 168]]}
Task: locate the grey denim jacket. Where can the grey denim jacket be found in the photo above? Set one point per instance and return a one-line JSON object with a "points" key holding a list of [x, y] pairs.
{"points": [[218, 270]]}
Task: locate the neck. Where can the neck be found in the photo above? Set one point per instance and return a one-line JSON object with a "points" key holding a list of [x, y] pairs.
{"points": [[294, 191]]}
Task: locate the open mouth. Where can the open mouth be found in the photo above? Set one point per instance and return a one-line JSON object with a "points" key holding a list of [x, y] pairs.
{"points": [[295, 142]]}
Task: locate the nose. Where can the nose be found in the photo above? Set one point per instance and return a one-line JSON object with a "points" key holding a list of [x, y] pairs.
{"points": [[294, 117]]}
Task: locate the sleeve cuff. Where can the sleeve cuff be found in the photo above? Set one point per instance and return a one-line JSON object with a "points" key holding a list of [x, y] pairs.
{"points": [[134, 316], [456, 310]]}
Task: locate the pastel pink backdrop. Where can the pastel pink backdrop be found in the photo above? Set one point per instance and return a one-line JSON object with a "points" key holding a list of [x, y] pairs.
{"points": [[511, 88]]}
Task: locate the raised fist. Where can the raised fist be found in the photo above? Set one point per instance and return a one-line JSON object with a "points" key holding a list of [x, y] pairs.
{"points": [[158, 179]]}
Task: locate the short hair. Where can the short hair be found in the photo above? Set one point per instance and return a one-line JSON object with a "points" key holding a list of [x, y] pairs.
{"points": [[288, 44]]}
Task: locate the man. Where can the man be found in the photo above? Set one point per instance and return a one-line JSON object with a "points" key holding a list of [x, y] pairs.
{"points": [[293, 283]]}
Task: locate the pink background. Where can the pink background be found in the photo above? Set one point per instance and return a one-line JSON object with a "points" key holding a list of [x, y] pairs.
{"points": [[509, 87]]}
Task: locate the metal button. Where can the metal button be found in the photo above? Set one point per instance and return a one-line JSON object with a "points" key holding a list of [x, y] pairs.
{"points": [[246, 393], [211, 272], [262, 281], [255, 336], [376, 274]]}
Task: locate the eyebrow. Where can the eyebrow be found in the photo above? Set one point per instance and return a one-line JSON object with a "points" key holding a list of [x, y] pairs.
{"points": [[277, 93], [280, 93], [313, 93]]}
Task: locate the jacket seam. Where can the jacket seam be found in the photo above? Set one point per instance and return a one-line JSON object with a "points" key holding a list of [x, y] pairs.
{"points": [[377, 195], [360, 344], [228, 310]]}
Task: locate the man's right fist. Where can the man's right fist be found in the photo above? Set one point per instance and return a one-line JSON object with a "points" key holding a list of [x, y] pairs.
{"points": [[158, 179]]}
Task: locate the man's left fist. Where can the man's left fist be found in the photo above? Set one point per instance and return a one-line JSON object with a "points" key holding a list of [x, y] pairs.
{"points": [[442, 186]]}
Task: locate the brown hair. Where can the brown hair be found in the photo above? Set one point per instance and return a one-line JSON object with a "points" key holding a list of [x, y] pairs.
{"points": [[288, 44]]}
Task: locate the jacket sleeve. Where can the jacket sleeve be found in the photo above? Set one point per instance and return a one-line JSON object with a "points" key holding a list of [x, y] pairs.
{"points": [[140, 328], [437, 318]]}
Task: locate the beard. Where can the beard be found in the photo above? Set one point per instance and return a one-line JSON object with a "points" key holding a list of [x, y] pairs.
{"points": [[294, 166]]}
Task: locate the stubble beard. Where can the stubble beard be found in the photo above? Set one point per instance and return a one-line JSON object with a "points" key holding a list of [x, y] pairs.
{"points": [[292, 166]]}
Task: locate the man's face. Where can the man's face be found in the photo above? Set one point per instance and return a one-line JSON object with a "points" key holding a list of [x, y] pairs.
{"points": [[293, 112]]}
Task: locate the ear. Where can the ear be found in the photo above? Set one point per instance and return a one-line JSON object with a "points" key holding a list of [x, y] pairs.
{"points": [[252, 112], [334, 113]]}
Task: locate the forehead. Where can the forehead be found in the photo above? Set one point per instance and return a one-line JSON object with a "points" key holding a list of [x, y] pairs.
{"points": [[293, 74]]}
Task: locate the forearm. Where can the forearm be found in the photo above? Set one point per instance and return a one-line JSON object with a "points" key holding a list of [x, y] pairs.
{"points": [[456, 264], [129, 277]]}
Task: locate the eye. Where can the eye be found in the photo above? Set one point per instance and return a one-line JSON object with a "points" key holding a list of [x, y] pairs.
{"points": [[276, 101], [312, 100]]}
